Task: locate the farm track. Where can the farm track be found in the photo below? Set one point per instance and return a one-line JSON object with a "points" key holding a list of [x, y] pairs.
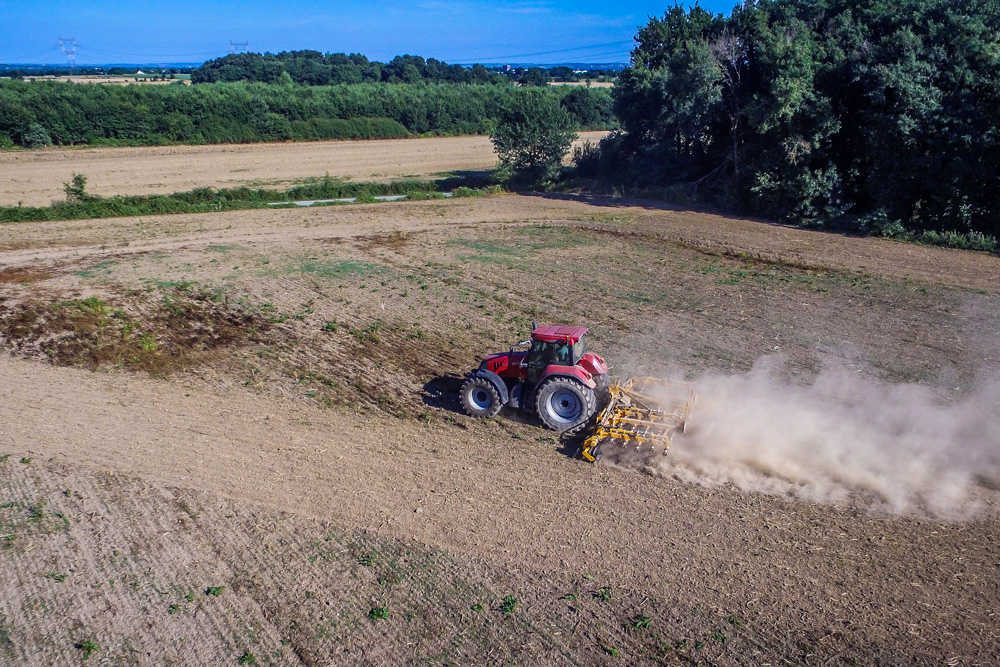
{"points": [[35, 178], [236, 473]]}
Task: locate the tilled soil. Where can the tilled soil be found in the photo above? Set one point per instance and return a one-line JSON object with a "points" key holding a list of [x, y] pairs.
{"points": [[36, 177], [319, 473]]}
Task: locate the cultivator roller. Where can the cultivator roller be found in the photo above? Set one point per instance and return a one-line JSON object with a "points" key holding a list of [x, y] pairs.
{"points": [[642, 415]]}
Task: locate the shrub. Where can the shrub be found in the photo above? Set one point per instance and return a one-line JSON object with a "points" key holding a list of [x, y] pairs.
{"points": [[531, 137], [76, 189], [37, 136]]}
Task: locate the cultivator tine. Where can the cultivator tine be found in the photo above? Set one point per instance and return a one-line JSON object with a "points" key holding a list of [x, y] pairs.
{"points": [[641, 414]]}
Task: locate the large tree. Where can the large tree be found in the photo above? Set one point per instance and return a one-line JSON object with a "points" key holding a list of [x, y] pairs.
{"points": [[532, 134], [823, 110]]}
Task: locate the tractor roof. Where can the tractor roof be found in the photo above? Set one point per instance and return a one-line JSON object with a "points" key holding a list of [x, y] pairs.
{"points": [[551, 333]]}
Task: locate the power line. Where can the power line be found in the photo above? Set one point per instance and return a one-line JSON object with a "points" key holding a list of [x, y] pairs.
{"points": [[108, 55], [545, 53]]}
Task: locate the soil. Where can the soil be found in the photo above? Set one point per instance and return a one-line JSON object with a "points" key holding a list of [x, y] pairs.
{"points": [[320, 473], [36, 177]]}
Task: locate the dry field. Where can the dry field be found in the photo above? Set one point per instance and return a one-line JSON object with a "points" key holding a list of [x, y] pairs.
{"points": [[35, 178], [233, 438], [118, 80], [592, 84]]}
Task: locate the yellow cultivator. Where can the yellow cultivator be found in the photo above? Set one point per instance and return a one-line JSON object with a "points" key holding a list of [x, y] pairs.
{"points": [[642, 415]]}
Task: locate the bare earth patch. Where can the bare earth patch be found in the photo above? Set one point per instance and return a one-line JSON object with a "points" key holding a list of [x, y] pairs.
{"points": [[303, 490]]}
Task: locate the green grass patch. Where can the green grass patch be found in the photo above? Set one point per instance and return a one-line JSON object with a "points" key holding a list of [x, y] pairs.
{"points": [[543, 237], [532, 240], [971, 240], [490, 248], [207, 200], [99, 269], [340, 268]]}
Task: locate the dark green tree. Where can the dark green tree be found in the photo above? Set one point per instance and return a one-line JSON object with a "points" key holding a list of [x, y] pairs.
{"points": [[532, 134], [836, 112], [534, 76], [36, 136]]}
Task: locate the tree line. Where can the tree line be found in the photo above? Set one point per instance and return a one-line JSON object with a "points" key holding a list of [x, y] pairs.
{"points": [[874, 115], [318, 69], [43, 113]]}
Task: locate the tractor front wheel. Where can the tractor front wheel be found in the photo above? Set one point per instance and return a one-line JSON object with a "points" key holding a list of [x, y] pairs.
{"points": [[564, 404], [480, 397]]}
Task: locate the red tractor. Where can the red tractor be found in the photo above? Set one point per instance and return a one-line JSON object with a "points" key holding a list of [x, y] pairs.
{"points": [[555, 378]]}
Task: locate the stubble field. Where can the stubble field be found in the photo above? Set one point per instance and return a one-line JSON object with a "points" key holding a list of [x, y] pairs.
{"points": [[36, 178], [234, 438]]}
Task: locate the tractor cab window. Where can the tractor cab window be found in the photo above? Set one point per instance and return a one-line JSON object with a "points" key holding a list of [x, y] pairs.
{"points": [[578, 351], [538, 359], [544, 353]]}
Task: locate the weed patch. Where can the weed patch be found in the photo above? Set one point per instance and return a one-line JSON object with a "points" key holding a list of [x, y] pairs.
{"points": [[640, 622], [602, 594], [140, 331], [87, 647], [378, 613]]}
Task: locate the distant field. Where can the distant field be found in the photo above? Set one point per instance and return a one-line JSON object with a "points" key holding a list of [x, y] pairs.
{"points": [[120, 80], [592, 84], [35, 178]]}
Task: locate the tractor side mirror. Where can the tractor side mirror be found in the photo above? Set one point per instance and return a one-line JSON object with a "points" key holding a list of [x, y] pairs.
{"points": [[534, 325]]}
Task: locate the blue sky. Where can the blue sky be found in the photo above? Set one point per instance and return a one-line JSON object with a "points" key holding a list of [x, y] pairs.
{"points": [[461, 31]]}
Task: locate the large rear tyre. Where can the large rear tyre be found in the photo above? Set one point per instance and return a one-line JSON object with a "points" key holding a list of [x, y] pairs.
{"points": [[603, 381], [480, 398], [565, 405]]}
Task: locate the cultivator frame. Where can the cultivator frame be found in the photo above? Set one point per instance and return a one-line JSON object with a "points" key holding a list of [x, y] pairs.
{"points": [[642, 413]]}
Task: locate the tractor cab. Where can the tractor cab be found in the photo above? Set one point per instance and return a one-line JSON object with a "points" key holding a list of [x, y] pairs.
{"points": [[559, 345]]}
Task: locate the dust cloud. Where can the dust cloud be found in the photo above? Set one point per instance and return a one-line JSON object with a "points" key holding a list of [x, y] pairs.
{"points": [[842, 438]]}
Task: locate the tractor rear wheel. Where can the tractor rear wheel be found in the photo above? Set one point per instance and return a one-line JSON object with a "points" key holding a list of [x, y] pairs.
{"points": [[480, 397], [603, 382], [564, 404]]}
